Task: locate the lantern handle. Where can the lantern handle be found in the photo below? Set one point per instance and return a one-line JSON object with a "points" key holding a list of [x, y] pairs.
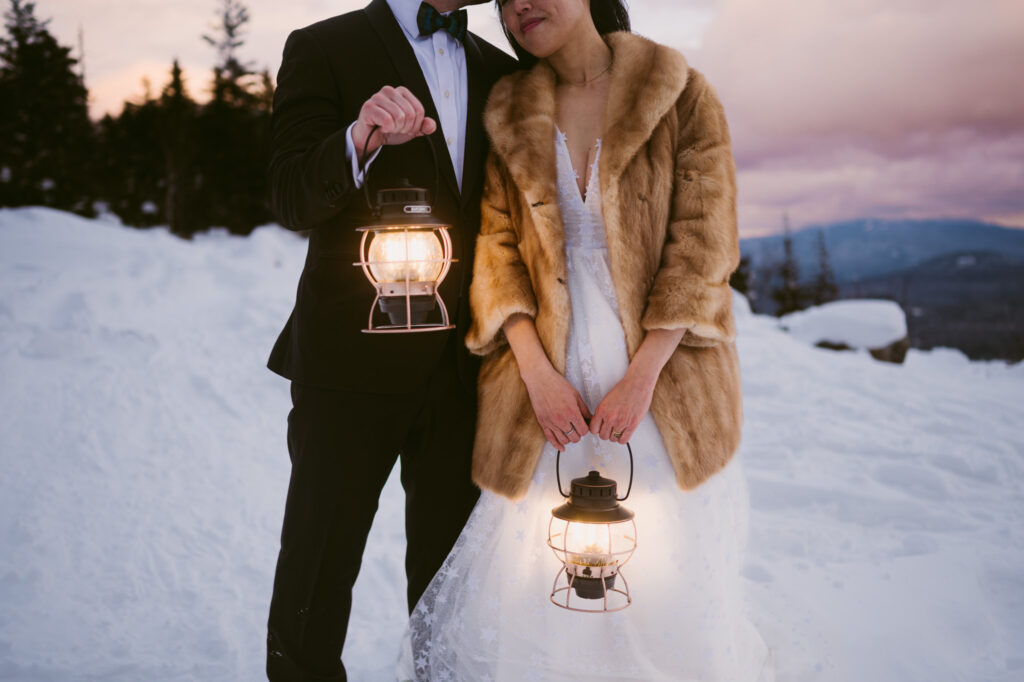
{"points": [[366, 180], [362, 171], [630, 486], [558, 473], [437, 169]]}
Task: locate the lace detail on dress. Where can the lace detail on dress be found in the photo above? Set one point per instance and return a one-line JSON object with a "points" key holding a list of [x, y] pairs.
{"points": [[582, 218], [586, 255]]}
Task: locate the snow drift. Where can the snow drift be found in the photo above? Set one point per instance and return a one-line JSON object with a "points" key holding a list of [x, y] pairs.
{"points": [[143, 470]]}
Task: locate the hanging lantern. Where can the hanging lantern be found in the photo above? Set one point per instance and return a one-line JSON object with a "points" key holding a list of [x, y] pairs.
{"points": [[406, 255], [593, 536]]}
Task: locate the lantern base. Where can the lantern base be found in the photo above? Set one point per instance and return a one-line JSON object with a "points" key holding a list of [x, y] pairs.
{"points": [[606, 598], [419, 308], [590, 588]]}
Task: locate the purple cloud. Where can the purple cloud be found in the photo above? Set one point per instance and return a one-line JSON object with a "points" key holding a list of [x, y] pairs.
{"points": [[892, 109]]}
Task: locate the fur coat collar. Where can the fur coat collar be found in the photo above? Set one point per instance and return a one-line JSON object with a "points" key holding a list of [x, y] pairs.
{"points": [[645, 82]]}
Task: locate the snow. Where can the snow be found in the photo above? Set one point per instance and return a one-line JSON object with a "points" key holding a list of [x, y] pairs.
{"points": [[859, 323], [740, 306], [143, 471]]}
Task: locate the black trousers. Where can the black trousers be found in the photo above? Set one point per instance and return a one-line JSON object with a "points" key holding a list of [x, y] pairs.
{"points": [[343, 446]]}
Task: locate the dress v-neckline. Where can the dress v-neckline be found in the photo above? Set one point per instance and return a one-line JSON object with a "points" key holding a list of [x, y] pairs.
{"points": [[591, 167]]}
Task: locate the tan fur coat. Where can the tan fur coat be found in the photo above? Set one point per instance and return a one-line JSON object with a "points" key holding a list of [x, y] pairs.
{"points": [[668, 194]]}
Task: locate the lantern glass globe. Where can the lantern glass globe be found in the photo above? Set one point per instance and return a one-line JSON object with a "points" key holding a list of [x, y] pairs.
{"points": [[406, 255], [597, 544], [588, 544]]}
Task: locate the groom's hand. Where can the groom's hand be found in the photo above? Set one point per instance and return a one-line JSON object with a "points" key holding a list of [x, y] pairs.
{"points": [[399, 115]]}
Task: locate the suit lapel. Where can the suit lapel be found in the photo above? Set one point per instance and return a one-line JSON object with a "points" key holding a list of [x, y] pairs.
{"points": [[477, 96], [404, 60]]}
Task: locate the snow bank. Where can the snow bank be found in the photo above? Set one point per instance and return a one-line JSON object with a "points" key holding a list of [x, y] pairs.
{"points": [[740, 305], [859, 323], [143, 471]]}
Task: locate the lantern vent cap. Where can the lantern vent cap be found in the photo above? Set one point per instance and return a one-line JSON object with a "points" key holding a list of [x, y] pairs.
{"points": [[593, 499]]}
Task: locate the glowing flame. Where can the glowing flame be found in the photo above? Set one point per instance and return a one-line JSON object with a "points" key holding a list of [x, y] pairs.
{"points": [[400, 255], [589, 544]]}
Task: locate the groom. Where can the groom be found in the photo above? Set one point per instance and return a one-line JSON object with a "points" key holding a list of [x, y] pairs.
{"points": [[361, 401]]}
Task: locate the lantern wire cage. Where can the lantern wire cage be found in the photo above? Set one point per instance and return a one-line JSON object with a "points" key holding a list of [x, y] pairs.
{"points": [[408, 288], [574, 566], [591, 573], [420, 295]]}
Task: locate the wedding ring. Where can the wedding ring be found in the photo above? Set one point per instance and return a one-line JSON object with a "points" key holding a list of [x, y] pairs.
{"points": [[572, 427], [617, 435]]}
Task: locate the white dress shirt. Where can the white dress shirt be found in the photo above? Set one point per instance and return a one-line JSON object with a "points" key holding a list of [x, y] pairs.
{"points": [[442, 59]]}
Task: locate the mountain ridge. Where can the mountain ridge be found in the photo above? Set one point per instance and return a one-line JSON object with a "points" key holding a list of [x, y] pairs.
{"points": [[864, 248]]}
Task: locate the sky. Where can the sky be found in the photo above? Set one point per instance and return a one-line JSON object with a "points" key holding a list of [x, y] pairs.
{"points": [[838, 110]]}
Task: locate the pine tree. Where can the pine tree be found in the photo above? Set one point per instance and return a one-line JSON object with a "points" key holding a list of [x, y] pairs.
{"points": [[232, 78], [825, 288], [45, 131], [740, 278], [265, 92], [177, 131], [168, 160], [132, 166], [789, 295], [233, 130]]}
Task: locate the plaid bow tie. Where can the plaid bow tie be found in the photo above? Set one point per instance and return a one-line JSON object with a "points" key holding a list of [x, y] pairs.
{"points": [[429, 20]]}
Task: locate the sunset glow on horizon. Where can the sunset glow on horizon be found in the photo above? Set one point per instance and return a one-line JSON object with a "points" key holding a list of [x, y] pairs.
{"points": [[880, 108]]}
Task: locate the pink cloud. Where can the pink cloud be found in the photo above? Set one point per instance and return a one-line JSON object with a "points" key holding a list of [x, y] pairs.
{"points": [[837, 109], [885, 108]]}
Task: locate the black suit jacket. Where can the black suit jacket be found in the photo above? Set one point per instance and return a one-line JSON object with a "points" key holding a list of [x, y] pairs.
{"points": [[328, 70]]}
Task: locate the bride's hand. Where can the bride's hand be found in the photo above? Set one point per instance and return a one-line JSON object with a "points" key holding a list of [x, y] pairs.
{"points": [[558, 406], [622, 410]]}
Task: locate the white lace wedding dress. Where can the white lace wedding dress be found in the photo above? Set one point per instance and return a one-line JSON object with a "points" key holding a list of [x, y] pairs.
{"points": [[487, 616]]}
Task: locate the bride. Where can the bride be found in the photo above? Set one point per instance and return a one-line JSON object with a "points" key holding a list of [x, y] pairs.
{"points": [[603, 313]]}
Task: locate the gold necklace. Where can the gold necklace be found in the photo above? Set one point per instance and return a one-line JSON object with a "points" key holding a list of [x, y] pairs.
{"points": [[589, 80]]}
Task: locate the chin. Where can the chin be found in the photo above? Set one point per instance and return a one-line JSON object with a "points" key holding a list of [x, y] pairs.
{"points": [[539, 49]]}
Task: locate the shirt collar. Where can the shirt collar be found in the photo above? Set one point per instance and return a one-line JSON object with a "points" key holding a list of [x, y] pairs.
{"points": [[405, 11]]}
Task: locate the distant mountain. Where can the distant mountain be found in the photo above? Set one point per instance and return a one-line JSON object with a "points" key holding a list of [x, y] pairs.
{"points": [[971, 300], [869, 247], [960, 282]]}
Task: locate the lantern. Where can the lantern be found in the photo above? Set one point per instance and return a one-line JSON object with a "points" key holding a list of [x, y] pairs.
{"points": [[593, 536], [406, 255]]}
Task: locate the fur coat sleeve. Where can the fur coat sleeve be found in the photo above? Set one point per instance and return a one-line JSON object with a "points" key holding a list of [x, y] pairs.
{"points": [[691, 288], [501, 284]]}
